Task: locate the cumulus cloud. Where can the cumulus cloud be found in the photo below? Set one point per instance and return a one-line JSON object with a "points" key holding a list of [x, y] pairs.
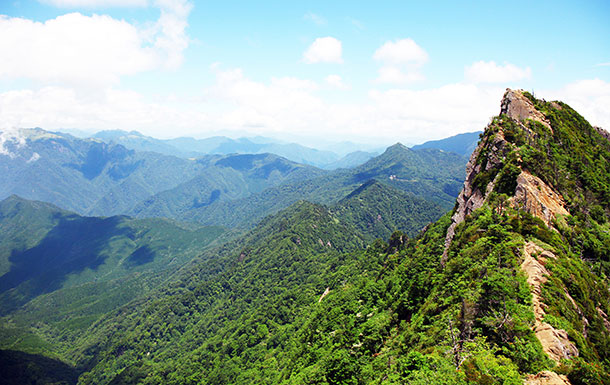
{"points": [[97, 49], [409, 116], [404, 51], [336, 81], [490, 72], [278, 107], [289, 106], [55, 108], [590, 97], [324, 50], [72, 47], [284, 102], [401, 61]]}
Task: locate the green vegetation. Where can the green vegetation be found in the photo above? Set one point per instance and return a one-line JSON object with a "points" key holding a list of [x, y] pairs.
{"points": [[61, 271], [301, 299], [377, 210], [20, 368], [433, 175], [91, 177]]}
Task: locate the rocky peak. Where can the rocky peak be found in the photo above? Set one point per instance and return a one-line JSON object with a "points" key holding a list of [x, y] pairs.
{"points": [[486, 162], [519, 107]]}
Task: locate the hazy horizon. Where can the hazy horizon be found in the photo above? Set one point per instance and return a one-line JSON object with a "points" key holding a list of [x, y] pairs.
{"points": [[306, 73]]}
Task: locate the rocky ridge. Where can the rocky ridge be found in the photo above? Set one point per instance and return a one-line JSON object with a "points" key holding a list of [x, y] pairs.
{"points": [[555, 342], [530, 194]]}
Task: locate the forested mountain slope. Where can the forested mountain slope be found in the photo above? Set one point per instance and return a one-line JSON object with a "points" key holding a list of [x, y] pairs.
{"points": [[59, 271], [223, 179], [511, 286], [430, 174], [84, 175], [91, 177]]}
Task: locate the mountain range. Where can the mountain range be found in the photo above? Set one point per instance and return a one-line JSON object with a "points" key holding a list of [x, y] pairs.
{"points": [[92, 177], [350, 276], [186, 147]]}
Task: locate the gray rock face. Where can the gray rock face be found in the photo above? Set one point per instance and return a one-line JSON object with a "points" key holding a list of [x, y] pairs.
{"points": [[518, 107], [515, 105]]}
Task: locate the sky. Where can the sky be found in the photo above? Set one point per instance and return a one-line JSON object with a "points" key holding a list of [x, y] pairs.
{"points": [[375, 73]]}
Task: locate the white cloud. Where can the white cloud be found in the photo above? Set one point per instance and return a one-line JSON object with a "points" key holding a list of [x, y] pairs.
{"points": [[409, 116], [336, 81], [284, 102], [170, 31], [401, 61], [10, 137], [280, 107], [54, 108], [404, 51], [607, 64], [94, 3], [324, 50], [396, 75], [490, 72], [434, 113], [288, 106], [316, 19], [72, 47], [97, 49], [590, 98]]}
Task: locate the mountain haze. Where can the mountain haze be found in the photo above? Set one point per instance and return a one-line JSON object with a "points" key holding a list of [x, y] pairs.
{"points": [[430, 174], [509, 287], [463, 144], [410, 311], [190, 147]]}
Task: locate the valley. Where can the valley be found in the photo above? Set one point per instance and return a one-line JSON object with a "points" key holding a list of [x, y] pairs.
{"points": [[416, 266]]}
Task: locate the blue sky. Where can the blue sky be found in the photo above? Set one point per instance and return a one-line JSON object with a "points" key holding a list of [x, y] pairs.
{"points": [[313, 71]]}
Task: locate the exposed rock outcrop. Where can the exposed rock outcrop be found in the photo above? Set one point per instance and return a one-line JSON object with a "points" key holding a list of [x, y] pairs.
{"points": [[555, 342], [546, 378], [518, 107], [537, 198], [531, 193], [468, 200]]}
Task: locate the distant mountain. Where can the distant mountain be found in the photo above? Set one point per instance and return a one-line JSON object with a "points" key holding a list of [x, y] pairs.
{"points": [[133, 140], [190, 147], [433, 175], [351, 160], [92, 177], [225, 178], [85, 175], [377, 210], [463, 144]]}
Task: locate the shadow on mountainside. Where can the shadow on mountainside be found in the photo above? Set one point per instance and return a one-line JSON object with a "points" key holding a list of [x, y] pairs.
{"points": [[75, 244], [22, 368]]}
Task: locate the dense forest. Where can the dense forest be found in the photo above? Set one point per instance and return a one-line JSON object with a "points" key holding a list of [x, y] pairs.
{"points": [[378, 286]]}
